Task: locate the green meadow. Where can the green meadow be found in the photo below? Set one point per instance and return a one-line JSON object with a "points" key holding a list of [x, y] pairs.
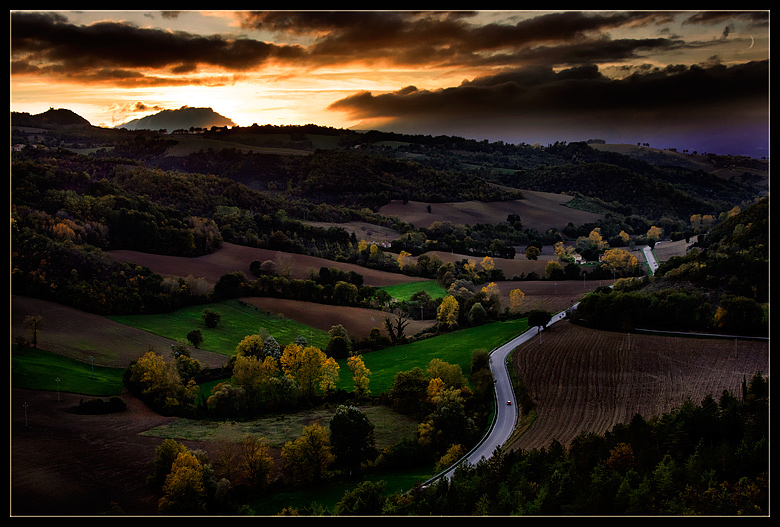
{"points": [[453, 348], [405, 291], [38, 369], [238, 320]]}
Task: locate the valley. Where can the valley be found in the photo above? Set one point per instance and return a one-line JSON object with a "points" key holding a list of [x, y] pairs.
{"points": [[118, 252]]}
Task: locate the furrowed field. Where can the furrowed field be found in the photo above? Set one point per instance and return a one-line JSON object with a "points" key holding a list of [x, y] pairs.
{"points": [[586, 380]]}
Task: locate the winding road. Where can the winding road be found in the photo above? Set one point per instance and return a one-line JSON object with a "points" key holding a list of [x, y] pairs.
{"points": [[506, 414]]}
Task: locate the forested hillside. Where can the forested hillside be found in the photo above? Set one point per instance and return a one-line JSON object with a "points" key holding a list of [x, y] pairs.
{"points": [[720, 285]]}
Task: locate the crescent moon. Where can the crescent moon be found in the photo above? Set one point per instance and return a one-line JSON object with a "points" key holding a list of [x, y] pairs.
{"points": [[752, 41]]}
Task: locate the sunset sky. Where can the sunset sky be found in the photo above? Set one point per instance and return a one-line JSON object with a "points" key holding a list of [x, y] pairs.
{"points": [[695, 80]]}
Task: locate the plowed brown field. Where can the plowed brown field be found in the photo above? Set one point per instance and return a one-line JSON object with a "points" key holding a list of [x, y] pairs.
{"points": [[231, 257], [586, 380]]}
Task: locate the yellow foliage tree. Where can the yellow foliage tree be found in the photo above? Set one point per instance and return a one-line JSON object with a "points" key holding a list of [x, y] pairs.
{"points": [[257, 462], [447, 314], [488, 264], [330, 376], [435, 386], [619, 260], [515, 298], [304, 365], [491, 289], [655, 233], [307, 458], [403, 258], [453, 454], [360, 375], [184, 491]]}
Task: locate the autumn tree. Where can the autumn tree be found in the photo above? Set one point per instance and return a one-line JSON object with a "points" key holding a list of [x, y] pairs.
{"points": [[592, 245], [450, 374], [654, 234], [564, 254], [360, 376], [158, 383], [255, 375], [447, 314], [165, 454], [256, 461], [304, 365], [307, 458], [532, 252], [329, 377], [403, 259], [620, 261], [515, 299], [184, 492]]}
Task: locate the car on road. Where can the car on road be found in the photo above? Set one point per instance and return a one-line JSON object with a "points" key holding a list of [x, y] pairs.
{"points": [[509, 403]]}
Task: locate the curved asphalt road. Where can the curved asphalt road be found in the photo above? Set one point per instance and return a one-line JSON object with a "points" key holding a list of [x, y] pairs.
{"points": [[506, 415]]}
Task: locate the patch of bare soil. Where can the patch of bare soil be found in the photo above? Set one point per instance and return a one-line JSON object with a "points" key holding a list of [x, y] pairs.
{"points": [[68, 464], [539, 210], [587, 380], [231, 257]]}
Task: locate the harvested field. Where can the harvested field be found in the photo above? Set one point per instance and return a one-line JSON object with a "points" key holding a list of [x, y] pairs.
{"points": [[80, 335], [231, 257], [519, 265], [665, 250], [586, 380], [68, 464], [357, 321], [539, 210], [548, 295]]}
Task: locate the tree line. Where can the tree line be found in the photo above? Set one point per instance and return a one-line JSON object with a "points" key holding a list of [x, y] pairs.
{"points": [[705, 459]]}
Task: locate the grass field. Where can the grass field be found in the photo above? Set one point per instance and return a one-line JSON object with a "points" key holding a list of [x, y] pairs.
{"points": [[238, 320], [403, 292], [453, 348], [42, 370]]}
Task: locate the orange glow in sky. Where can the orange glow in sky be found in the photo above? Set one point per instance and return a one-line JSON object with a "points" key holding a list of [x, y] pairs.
{"points": [[511, 75]]}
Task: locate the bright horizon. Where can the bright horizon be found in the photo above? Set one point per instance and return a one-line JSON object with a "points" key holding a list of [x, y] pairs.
{"points": [[689, 80]]}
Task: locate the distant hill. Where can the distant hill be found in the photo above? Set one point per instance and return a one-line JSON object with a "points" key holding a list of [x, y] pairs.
{"points": [[184, 118], [48, 119]]}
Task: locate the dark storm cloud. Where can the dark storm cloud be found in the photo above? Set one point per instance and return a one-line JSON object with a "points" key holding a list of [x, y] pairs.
{"points": [[450, 38], [663, 97], [48, 41]]}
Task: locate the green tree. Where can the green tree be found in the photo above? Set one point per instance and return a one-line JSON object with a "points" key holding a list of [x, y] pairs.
{"points": [[211, 318], [351, 437], [367, 499], [195, 337]]}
